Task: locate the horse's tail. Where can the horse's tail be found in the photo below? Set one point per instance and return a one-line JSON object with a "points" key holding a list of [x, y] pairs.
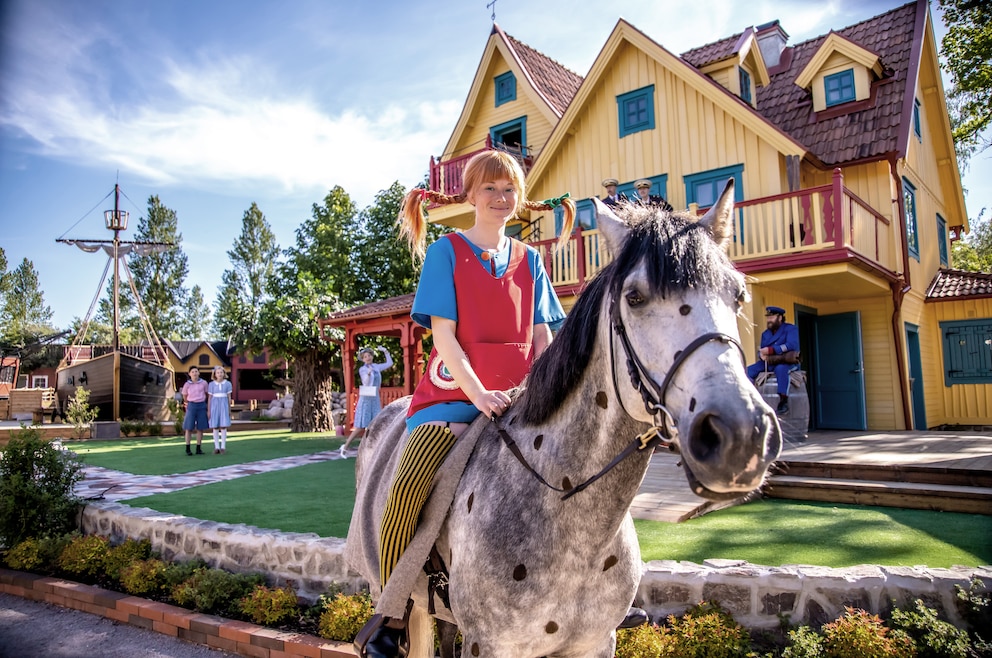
{"points": [[420, 630]]}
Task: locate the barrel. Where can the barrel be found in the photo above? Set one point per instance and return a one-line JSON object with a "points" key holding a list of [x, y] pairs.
{"points": [[794, 423]]}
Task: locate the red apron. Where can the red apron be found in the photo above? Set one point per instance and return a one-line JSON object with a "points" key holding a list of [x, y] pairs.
{"points": [[495, 326]]}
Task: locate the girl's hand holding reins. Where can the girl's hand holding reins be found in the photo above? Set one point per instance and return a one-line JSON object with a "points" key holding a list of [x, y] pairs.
{"points": [[492, 403]]}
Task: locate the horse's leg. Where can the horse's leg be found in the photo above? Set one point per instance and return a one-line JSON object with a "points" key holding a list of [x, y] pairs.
{"points": [[420, 630], [447, 633]]}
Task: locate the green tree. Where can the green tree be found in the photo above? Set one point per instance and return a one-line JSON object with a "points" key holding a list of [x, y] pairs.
{"points": [[312, 282], [244, 287], [974, 252], [196, 318], [24, 315], [383, 266], [3, 275], [967, 53]]}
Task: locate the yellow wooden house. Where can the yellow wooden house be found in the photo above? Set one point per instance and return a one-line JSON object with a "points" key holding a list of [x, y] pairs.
{"points": [[847, 188]]}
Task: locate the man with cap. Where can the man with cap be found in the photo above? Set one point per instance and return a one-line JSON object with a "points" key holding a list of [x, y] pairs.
{"points": [[645, 198], [612, 198], [779, 353]]}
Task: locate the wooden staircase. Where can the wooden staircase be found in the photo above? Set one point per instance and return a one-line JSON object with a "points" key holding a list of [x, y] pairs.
{"points": [[915, 487]]}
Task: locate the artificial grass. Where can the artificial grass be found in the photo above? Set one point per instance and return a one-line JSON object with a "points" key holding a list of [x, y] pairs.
{"points": [[319, 498], [779, 532], [167, 455], [313, 498]]}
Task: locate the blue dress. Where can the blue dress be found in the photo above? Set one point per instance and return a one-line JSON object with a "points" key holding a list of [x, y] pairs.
{"points": [[368, 406], [220, 404]]}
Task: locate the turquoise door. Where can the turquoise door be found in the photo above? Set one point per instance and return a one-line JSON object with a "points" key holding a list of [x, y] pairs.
{"points": [[916, 377], [839, 374]]}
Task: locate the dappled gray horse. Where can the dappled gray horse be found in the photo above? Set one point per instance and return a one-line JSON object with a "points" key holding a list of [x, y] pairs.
{"points": [[539, 545]]}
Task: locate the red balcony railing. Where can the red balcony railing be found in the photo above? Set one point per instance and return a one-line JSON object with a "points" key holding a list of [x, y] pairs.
{"points": [[446, 175]]}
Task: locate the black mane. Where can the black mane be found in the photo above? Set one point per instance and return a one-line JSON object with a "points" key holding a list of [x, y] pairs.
{"points": [[679, 254]]}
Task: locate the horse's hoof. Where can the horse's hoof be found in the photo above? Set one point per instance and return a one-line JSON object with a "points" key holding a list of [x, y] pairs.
{"points": [[635, 617]]}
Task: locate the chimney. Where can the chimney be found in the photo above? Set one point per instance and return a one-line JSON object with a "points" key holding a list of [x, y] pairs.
{"points": [[772, 40]]}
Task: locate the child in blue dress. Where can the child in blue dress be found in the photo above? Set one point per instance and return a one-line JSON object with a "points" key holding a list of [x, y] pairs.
{"points": [[368, 406], [219, 408]]}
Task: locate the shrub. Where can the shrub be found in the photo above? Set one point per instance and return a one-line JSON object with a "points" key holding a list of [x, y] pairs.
{"points": [[155, 428], [79, 413], [144, 577], [270, 606], [804, 642], [36, 482], [178, 415], [85, 555], [705, 631], [178, 572], [124, 554], [933, 637], [215, 590], [25, 556], [344, 616], [975, 606], [640, 642], [127, 427], [858, 634]]}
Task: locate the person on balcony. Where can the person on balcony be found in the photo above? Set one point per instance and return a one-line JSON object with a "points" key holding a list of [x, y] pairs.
{"points": [[368, 406], [645, 198], [779, 353], [612, 197]]}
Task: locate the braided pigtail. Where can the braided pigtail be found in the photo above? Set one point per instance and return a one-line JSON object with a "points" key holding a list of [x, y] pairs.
{"points": [[568, 208], [413, 216]]}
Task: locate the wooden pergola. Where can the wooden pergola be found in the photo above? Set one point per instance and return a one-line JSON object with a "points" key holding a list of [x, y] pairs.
{"points": [[387, 317]]}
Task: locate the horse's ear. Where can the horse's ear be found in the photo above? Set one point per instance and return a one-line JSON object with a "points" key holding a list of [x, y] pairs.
{"points": [[719, 219], [613, 229]]}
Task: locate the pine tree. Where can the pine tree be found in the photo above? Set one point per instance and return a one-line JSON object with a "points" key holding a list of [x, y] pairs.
{"points": [[24, 315], [196, 321]]}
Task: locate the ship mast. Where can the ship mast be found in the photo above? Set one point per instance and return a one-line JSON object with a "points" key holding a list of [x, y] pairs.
{"points": [[116, 221]]}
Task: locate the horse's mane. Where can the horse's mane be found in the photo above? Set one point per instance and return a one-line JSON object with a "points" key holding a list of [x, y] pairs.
{"points": [[678, 253]]}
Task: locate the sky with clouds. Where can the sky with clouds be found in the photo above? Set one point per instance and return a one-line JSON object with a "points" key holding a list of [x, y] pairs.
{"points": [[215, 104]]}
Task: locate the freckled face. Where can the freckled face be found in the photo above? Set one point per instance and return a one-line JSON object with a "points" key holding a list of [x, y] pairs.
{"points": [[495, 201]]}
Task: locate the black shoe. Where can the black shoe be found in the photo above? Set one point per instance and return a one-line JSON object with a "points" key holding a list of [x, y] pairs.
{"points": [[188, 451], [635, 617], [783, 408], [198, 451], [384, 642]]}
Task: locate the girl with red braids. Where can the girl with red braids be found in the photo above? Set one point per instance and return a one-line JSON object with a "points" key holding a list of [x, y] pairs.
{"points": [[491, 307]]}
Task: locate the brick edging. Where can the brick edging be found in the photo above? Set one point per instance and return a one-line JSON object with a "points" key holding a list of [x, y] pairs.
{"points": [[239, 637]]}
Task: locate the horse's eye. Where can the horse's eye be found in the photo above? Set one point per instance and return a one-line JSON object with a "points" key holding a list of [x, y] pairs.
{"points": [[634, 298], [741, 298]]}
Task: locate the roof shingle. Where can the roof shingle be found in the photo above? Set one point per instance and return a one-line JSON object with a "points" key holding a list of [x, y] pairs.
{"points": [[955, 284]]}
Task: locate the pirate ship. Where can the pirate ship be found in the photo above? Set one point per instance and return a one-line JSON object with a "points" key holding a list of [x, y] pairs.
{"points": [[133, 381]]}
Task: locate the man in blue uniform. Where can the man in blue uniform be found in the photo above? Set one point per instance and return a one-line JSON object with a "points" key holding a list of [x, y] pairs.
{"points": [[612, 198], [779, 353]]}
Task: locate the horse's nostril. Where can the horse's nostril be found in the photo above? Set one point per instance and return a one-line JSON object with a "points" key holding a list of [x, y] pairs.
{"points": [[705, 442]]}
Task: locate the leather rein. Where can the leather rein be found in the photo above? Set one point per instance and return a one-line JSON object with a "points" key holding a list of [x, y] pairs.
{"points": [[663, 432]]}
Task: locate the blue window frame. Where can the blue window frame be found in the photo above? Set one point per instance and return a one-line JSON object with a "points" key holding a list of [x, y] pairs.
{"points": [[706, 187], [839, 87], [909, 207], [510, 136], [967, 351], [942, 239], [745, 79], [635, 110], [659, 187], [917, 128], [585, 216], [506, 88]]}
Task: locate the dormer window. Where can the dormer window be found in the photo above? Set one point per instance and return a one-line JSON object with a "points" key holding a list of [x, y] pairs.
{"points": [[636, 110], [839, 87], [745, 79], [506, 88]]}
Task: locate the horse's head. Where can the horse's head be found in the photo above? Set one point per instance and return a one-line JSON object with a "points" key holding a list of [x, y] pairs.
{"points": [[672, 297]]}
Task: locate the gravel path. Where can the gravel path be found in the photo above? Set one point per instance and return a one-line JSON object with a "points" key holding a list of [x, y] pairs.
{"points": [[30, 629]]}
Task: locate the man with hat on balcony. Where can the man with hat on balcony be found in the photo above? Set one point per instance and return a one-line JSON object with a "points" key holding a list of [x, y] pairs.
{"points": [[612, 198], [645, 198], [779, 353]]}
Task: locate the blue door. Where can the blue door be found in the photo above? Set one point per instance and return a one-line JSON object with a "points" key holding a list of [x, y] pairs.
{"points": [[916, 377], [839, 374]]}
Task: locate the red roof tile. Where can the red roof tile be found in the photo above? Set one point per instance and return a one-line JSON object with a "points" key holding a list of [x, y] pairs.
{"points": [[712, 52], [956, 284], [837, 137], [552, 80], [400, 304]]}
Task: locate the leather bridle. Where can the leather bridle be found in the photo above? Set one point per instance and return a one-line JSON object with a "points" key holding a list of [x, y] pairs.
{"points": [[663, 432]]}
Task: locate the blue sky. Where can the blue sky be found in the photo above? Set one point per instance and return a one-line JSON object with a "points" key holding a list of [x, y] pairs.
{"points": [[214, 104]]}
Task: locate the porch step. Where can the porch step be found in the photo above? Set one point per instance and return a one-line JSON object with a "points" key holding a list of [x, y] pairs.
{"points": [[936, 489]]}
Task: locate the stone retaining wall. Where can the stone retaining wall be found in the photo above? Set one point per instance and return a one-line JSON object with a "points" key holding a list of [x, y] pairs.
{"points": [[755, 595]]}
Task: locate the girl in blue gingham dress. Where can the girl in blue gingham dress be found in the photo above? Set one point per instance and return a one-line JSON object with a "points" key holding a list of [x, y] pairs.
{"points": [[219, 408], [368, 397]]}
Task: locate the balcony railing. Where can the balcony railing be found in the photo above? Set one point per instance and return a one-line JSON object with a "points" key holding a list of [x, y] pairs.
{"points": [[789, 226], [446, 175]]}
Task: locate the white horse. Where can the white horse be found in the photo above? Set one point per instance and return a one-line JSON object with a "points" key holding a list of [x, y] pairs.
{"points": [[650, 351]]}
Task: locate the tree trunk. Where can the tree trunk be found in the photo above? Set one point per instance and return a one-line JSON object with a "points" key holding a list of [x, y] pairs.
{"points": [[312, 392]]}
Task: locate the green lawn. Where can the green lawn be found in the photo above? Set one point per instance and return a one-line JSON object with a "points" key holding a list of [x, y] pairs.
{"points": [[167, 455], [319, 498]]}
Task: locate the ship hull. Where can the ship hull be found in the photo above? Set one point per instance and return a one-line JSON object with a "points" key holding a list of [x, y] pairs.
{"points": [[145, 387]]}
